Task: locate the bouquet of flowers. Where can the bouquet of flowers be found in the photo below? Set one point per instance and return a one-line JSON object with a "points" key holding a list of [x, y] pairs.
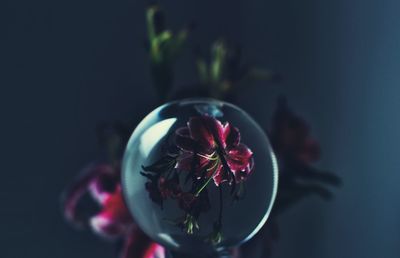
{"points": [[200, 151]]}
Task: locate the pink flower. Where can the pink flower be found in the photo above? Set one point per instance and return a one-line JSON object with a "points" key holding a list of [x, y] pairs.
{"points": [[114, 218], [213, 149], [113, 221], [101, 182]]}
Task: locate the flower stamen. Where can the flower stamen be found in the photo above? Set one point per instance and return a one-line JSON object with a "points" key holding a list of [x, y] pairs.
{"points": [[211, 156]]}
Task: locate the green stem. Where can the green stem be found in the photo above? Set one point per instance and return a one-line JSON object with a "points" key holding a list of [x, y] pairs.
{"points": [[208, 180]]}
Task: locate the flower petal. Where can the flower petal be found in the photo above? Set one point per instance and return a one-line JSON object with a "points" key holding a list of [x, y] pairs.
{"points": [[200, 132], [79, 187], [104, 183], [183, 139], [155, 251], [105, 226], [231, 136], [217, 129], [239, 158], [219, 176], [114, 219], [115, 206]]}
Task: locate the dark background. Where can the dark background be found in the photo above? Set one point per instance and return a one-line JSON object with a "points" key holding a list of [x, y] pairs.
{"points": [[67, 65]]}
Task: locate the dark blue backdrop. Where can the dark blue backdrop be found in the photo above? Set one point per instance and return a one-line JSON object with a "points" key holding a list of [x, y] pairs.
{"points": [[66, 65]]}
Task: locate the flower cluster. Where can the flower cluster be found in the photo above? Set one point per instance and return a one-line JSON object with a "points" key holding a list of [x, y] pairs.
{"points": [[204, 151], [213, 148]]}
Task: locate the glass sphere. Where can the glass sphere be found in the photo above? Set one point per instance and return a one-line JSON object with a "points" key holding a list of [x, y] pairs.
{"points": [[199, 176]]}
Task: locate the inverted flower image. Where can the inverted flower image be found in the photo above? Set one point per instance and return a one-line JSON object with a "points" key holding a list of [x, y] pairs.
{"points": [[215, 148], [205, 151]]}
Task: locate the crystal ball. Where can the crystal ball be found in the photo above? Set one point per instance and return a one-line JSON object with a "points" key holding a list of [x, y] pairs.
{"points": [[199, 176]]}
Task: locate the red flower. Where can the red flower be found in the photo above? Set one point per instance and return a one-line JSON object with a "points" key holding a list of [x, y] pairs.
{"points": [[290, 136], [213, 149], [113, 220], [102, 183]]}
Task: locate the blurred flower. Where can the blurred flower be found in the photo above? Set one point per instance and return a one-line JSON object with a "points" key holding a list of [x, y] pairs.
{"points": [[296, 152], [290, 136], [112, 220], [100, 181]]}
